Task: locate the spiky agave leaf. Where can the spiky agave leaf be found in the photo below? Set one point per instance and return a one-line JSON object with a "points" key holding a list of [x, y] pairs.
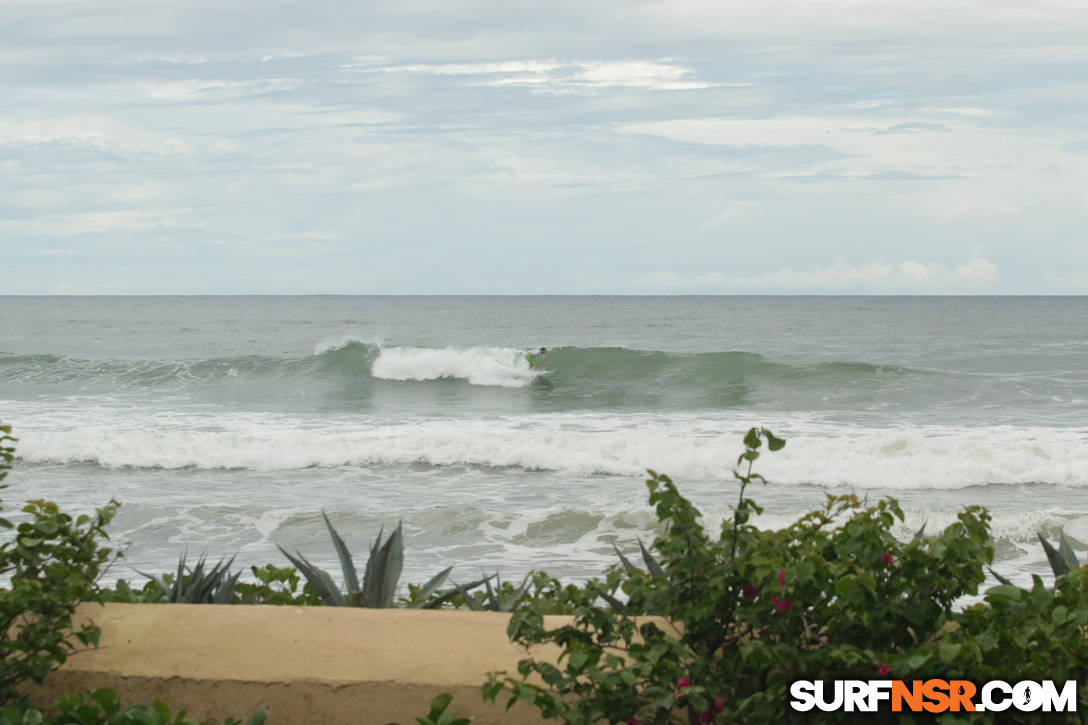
{"points": [[170, 590], [383, 570], [493, 604], [1000, 578], [462, 589], [1065, 549], [494, 601], [507, 603], [194, 588], [197, 586], [1058, 563], [627, 565], [470, 601], [431, 586], [318, 578], [651, 563], [616, 604], [224, 593], [214, 586], [347, 564], [224, 582]]}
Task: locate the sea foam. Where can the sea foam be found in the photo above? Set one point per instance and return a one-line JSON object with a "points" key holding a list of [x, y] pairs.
{"points": [[684, 446], [505, 367]]}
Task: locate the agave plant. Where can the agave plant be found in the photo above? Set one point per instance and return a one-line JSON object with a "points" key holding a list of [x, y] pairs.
{"points": [[380, 577], [199, 585], [652, 565], [1062, 560], [502, 597]]}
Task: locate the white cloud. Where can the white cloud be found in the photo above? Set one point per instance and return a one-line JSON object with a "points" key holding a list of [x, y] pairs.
{"points": [[193, 88], [887, 135], [564, 76], [67, 225], [670, 278], [881, 144]]}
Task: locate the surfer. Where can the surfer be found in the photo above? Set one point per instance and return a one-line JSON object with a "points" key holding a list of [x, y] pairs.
{"points": [[535, 358]]}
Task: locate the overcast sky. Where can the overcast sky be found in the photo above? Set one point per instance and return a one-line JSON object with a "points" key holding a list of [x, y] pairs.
{"points": [[444, 146]]}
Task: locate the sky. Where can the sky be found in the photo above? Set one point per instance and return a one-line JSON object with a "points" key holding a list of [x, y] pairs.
{"points": [[560, 147]]}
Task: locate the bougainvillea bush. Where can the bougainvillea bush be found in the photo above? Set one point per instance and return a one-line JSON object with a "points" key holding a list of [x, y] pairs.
{"points": [[722, 622], [52, 563]]}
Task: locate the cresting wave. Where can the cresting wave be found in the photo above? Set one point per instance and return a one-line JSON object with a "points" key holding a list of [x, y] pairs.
{"points": [[481, 365], [685, 447]]}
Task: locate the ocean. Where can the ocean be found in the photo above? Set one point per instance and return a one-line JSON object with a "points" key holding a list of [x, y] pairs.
{"points": [[226, 425]]}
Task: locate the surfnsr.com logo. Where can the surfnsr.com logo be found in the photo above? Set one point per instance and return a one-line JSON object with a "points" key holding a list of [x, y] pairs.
{"points": [[933, 696]]}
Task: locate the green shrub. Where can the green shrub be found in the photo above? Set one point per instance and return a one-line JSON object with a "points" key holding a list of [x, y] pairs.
{"points": [[103, 707], [53, 562], [275, 585], [122, 592], [439, 714], [729, 620]]}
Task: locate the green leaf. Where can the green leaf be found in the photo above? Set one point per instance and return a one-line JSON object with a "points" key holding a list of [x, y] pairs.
{"points": [[1000, 578], [439, 704], [1004, 593], [161, 710], [383, 569], [1065, 550], [107, 699], [623, 559], [651, 563], [347, 565], [1058, 564], [948, 652], [491, 689], [773, 442], [319, 579]]}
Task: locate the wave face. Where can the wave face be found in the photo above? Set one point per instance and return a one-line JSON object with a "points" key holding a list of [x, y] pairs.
{"points": [[355, 375]]}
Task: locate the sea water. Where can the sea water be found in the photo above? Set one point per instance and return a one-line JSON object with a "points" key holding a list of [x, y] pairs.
{"points": [[226, 425]]}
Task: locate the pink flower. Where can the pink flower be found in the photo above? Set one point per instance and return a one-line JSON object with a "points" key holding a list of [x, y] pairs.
{"points": [[888, 559], [883, 670], [718, 705], [780, 605], [631, 721], [682, 683], [782, 577], [706, 717], [749, 591]]}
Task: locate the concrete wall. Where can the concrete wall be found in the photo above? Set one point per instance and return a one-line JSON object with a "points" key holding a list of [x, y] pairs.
{"points": [[320, 665]]}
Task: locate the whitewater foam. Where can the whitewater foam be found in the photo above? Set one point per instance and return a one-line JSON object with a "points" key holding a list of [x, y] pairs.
{"points": [[685, 446], [499, 366]]}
